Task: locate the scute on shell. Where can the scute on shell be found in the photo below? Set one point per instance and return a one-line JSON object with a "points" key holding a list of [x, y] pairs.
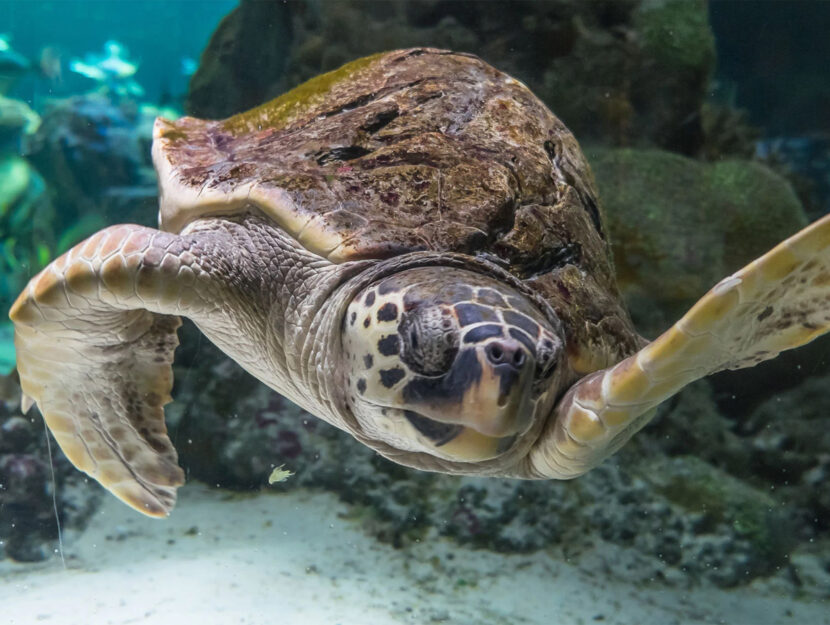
{"points": [[408, 150]]}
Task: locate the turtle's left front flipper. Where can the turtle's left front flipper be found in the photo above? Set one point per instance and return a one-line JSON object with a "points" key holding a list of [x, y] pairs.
{"points": [[95, 334], [777, 302]]}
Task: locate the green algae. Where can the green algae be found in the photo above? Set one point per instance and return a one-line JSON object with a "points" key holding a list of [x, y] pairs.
{"points": [[280, 111], [678, 225], [764, 208], [174, 135], [16, 176], [677, 33]]}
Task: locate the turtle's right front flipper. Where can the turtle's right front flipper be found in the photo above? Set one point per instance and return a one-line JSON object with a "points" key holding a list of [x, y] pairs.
{"points": [[777, 302], [95, 334]]}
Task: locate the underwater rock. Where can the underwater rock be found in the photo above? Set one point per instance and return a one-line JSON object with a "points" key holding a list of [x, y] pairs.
{"points": [[789, 447], [694, 423], [749, 532], [632, 72], [16, 434], [28, 528], [237, 70], [678, 225], [727, 133], [810, 568], [804, 160], [95, 154], [725, 532]]}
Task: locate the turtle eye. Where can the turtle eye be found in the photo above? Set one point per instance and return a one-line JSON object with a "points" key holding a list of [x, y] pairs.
{"points": [[545, 358], [429, 340], [413, 338]]}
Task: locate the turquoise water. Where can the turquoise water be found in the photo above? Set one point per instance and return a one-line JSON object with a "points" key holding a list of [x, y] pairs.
{"points": [[157, 34], [706, 129]]}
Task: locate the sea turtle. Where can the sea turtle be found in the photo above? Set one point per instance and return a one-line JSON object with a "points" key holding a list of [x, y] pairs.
{"points": [[410, 248]]}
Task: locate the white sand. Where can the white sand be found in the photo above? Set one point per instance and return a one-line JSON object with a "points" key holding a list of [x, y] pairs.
{"points": [[290, 558]]}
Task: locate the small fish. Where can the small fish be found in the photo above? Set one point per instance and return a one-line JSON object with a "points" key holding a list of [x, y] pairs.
{"points": [[188, 66], [85, 69], [279, 475], [115, 61], [113, 64]]}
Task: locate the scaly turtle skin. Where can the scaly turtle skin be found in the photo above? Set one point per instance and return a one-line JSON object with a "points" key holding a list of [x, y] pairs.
{"points": [[410, 248]]}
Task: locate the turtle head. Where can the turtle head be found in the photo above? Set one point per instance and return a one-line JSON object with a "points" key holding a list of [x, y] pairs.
{"points": [[447, 361]]}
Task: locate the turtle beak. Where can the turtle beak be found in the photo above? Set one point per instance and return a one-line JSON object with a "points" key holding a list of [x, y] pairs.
{"points": [[499, 404], [492, 390]]}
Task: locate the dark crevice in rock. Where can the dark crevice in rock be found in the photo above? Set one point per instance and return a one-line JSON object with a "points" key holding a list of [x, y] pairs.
{"points": [[551, 149], [588, 202], [593, 210], [346, 153], [381, 120], [570, 254], [374, 96], [351, 104]]}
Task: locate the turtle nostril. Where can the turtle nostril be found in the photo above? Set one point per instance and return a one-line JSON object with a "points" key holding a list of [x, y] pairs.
{"points": [[495, 353], [506, 352]]}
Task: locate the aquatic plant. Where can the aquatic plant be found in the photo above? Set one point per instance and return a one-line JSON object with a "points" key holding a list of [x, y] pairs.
{"points": [[18, 122], [26, 242]]}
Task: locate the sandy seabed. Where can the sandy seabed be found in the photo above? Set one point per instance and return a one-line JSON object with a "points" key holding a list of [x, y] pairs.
{"points": [[296, 558]]}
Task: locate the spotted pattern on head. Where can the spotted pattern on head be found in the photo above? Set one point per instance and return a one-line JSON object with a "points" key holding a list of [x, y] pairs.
{"points": [[390, 385]]}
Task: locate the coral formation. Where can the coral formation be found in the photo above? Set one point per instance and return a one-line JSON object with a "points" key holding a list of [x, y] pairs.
{"points": [[679, 225], [17, 122]]}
